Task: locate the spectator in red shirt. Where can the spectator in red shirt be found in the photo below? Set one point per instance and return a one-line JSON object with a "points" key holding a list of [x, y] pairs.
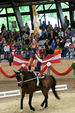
{"points": [[42, 52]]}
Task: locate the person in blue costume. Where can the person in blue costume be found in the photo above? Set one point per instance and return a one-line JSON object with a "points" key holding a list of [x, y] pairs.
{"points": [[34, 52]]}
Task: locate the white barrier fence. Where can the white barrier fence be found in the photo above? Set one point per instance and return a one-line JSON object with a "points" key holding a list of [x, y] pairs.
{"points": [[17, 92]]}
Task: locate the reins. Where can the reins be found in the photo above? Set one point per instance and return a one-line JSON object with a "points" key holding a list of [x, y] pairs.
{"points": [[27, 80]]}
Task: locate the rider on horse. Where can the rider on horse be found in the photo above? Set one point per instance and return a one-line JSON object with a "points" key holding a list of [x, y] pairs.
{"points": [[34, 52]]}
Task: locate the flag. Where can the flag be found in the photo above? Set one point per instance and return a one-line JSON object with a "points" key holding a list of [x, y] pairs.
{"points": [[54, 58], [18, 60]]}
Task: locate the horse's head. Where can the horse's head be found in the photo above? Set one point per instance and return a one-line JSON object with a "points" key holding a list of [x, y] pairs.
{"points": [[22, 75], [19, 77]]}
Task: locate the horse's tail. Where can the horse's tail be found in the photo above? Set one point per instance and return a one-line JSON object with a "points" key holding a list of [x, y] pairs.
{"points": [[53, 88]]}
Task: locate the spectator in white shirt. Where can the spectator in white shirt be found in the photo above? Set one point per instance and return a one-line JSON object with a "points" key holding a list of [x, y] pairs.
{"points": [[73, 38], [6, 50], [68, 42], [61, 33]]}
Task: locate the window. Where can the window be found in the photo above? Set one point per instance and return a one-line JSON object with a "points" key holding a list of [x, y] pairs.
{"points": [[12, 20], [3, 11], [52, 17], [40, 8], [65, 5], [53, 6], [24, 9], [3, 21], [26, 19], [50, 6], [10, 10]]}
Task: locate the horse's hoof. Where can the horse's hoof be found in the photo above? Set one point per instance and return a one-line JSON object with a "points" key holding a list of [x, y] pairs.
{"points": [[45, 107], [33, 109], [41, 107], [21, 111]]}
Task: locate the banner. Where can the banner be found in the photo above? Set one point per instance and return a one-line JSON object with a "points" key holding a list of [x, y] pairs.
{"points": [[18, 60], [54, 58]]}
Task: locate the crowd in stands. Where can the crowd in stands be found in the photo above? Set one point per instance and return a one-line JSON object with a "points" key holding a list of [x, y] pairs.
{"points": [[55, 39]]}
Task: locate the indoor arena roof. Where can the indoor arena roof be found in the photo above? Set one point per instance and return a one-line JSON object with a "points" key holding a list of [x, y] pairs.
{"points": [[7, 3]]}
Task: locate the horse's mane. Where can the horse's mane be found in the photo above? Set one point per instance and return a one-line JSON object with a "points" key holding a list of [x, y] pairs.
{"points": [[29, 73]]}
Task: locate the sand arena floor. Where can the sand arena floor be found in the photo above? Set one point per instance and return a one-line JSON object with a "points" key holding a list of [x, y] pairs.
{"points": [[65, 105]]}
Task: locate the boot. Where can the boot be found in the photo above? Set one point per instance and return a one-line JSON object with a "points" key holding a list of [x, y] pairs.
{"points": [[29, 68]]}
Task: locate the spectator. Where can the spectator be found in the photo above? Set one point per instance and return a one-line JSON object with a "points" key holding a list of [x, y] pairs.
{"points": [[18, 49], [56, 28], [55, 33], [61, 33], [46, 44], [57, 49], [25, 37], [24, 46], [10, 58], [71, 51], [50, 50], [57, 42], [73, 38], [43, 25], [51, 36], [73, 44], [49, 28], [13, 48], [66, 36], [62, 43], [49, 24], [42, 52], [3, 27], [67, 54], [53, 44], [27, 29], [43, 33], [66, 48], [26, 53], [68, 42], [72, 32], [66, 21], [19, 41], [1, 41], [15, 34], [6, 50], [60, 38], [73, 23]]}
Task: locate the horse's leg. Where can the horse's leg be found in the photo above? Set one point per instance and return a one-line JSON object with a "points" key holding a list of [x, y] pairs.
{"points": [[22, 97], [30, 100], [45, 102]]}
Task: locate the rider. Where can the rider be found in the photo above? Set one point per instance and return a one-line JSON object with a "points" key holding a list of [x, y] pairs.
{"points": [[34, 52]]}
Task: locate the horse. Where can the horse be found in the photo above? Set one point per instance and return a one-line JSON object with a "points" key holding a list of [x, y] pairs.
{"points": [[27, 81]]}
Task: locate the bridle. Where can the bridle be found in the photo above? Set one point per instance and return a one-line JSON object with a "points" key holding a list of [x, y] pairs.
{"points": [[25, 81], [21, 75]]}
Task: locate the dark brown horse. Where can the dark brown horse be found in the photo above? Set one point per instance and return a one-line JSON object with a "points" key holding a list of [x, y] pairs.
{"points": [[27, 82]]}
